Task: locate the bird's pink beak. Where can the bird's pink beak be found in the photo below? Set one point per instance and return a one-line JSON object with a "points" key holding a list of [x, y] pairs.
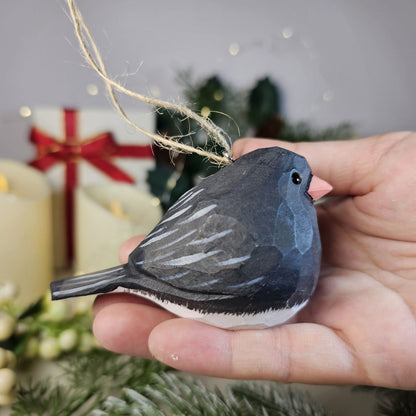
{"points": [[318, 188]]}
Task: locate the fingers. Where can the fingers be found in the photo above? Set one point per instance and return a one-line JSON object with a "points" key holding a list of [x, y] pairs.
{"points": [[291, 353], [128, 246], [304, 353], [102, 301], [351, 166], [123, 323]]}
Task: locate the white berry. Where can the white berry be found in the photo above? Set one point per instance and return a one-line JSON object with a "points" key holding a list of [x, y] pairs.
{"points": [[7, 380], [49, 348], [8, 290], [7, 325], [6, 399], [68, 339]]}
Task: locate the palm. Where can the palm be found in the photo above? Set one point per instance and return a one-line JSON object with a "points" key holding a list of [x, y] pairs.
{"points": [[360, 325], [368, 285]]}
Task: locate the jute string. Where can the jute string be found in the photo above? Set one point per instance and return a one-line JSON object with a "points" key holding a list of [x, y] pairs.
{"points": [[94, 59]]}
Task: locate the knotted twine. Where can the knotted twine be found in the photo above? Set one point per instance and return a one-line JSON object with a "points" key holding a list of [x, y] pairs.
{"points": [[93, 57]]}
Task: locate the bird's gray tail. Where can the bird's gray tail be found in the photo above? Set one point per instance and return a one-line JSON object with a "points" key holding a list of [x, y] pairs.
{"points": [[89, 284]]}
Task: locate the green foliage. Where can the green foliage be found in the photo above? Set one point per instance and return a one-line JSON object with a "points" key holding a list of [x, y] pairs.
{"points": [[37, 394], [263, 102], [101, 383], [303, 132], [226, 104], [45, 399], [397, 403], [254, 112], [107, 384], [274, 399], [88, 379], [392, 402], [172, 394], [46, 321], [168, 184]]}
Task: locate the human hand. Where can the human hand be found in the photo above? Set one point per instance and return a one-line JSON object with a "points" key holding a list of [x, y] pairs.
{"points": [[359, 326]]}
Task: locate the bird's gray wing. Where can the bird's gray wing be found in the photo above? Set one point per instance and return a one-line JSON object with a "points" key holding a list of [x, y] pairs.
{"points": [[204, 251]]}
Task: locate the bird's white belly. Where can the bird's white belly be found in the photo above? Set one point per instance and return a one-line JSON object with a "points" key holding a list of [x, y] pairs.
{"points": [[259, 320]]}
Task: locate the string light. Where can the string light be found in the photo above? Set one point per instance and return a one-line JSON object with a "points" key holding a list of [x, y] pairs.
{"points": [[287, 32], [218, 95], [328, 96], [155, 202], [4, 185], [92, 89], [234, 49], [25, 111], [155, 91], [205, 111]]}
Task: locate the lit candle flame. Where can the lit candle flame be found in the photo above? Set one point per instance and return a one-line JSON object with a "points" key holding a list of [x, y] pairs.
{"points": [[4, 185], [117, 210]]}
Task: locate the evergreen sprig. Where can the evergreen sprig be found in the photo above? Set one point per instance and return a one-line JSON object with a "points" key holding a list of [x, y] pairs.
{"points": [[44, 398], [392, 402], [396, 403], [86, 381], [304, 132], [102, 383], [275, 399], [173, 394]]}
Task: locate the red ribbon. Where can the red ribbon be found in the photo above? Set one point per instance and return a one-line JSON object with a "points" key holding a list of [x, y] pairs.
{"points": [[97, 151]]}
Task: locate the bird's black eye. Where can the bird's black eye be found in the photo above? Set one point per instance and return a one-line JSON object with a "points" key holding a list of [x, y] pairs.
{"points": [[296, 178]]}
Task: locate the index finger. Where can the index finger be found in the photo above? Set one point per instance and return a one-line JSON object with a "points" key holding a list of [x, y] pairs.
{"points": [[128, 246], [349, 166]]}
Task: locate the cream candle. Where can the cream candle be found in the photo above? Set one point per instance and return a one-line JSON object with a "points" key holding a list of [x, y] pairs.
{"points": [[106, 216], [25, 229]]}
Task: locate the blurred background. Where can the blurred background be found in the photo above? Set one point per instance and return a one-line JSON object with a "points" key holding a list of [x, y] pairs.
{"points": [[313, 70], [333, 61]]}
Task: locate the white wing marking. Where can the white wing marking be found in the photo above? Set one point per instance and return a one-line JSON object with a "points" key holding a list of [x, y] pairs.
{"points": [[153, 233], [193, 258], [186, 197], [210, 239], [182, 237], [198, 214], [162, 256], [176, 214], [158, 237], [249, 283], [234, 260], [211, 282], [175, 276]]}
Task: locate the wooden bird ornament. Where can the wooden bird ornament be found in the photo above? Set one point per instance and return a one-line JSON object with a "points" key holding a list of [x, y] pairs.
{"points": [[240, 250]]}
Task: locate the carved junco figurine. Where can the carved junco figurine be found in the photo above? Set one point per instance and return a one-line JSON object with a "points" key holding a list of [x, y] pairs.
{"points": [[239, 250]]}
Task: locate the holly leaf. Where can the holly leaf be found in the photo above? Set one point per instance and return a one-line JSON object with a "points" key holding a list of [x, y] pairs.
{"points": [[263, 102]]}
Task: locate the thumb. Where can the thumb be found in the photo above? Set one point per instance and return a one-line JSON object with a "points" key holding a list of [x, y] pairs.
{"points": [[350, 166]]}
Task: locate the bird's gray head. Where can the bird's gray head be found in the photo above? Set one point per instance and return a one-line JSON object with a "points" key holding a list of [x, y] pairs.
{"points": [[290, 172]]}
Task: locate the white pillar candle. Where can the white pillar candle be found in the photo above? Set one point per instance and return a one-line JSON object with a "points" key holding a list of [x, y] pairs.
{"points": [[105, 217], [25, 229]]}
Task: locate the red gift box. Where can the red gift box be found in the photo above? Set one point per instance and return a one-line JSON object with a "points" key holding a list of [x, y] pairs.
{"points": [[74, 156]]}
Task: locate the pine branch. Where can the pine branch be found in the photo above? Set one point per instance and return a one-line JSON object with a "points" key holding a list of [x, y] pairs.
{"points": [[391, 402], [44, 399], [274, 399], [104, 367], [171, 394], [302, 131], [88, 379]]}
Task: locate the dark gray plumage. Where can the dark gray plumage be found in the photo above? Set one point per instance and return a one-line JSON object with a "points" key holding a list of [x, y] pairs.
{"points": [[244, 243]]}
